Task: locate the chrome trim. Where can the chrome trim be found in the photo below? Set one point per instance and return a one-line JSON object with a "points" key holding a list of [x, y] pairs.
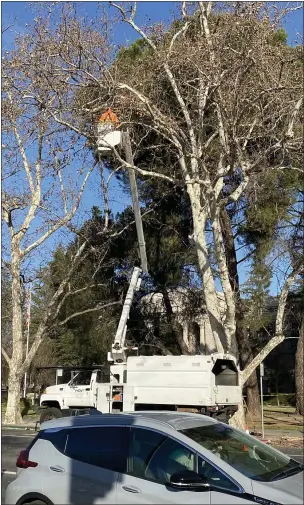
{"points": [[180, 484]]}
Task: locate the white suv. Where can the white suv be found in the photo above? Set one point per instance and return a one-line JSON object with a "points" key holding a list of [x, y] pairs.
{"points": [[151, 457]]}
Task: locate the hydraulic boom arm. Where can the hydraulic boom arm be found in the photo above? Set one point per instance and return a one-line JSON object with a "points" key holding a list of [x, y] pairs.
{"points": [[118, 347], [118, 354]]}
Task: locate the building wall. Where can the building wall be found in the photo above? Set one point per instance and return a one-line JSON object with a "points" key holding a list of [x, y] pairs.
{"points": [[190, 312]]}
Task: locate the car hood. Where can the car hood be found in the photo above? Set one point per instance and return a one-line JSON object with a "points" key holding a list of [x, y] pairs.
{"points": [[54, 389], [287, 491]]}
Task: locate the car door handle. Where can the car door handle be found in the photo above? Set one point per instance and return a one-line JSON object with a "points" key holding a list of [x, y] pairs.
{"points": [[88, 389], [56, 469], [130, 489]]}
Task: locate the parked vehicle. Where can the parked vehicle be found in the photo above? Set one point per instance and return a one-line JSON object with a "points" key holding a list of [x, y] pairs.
{"points": [[151, 457], [205, 384], [208, 384]]}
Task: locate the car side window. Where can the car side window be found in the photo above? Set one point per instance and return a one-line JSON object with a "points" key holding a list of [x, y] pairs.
{"points": [[144, 444], [106, 447], [156, 457], [215, 477]]}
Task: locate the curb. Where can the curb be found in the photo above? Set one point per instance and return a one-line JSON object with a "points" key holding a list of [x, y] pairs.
{"points": [[18, 427]]}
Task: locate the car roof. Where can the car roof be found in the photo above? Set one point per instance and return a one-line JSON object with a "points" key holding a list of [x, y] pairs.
{"points": [[174, 420]]}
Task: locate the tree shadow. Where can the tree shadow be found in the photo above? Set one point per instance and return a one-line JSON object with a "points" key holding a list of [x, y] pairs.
{"points": [[26, 407]]}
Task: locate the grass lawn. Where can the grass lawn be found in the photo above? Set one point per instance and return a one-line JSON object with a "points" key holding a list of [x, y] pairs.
{"points": [[26, 410], [285, 410]]}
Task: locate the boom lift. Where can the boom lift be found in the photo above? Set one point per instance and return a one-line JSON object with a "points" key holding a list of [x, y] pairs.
{"points": [[205, 384], [118, 354]]}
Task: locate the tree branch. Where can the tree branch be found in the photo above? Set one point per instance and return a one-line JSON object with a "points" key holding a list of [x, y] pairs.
{"points": [[290, 132], [63, 221], [141, 171], [98, 307], [5, 355], [51, 310], [279, 334], [22, 150]]}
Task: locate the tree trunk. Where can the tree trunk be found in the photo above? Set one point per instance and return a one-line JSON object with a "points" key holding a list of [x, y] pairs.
{"points": [[13, 412], [238, 420], [210, 295], [242, 337], [299, 372], [193, 338], [246, 356], [253, 395]]}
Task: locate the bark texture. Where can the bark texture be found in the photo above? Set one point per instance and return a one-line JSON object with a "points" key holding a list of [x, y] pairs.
{"points": [[199, 224], [13, 414], [242, 336]]}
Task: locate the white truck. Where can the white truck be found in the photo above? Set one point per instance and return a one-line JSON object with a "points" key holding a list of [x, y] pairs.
{"points": [[207, 384]]}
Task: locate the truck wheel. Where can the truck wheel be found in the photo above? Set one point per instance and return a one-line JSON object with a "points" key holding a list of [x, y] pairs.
{"points": [[49, 414]]}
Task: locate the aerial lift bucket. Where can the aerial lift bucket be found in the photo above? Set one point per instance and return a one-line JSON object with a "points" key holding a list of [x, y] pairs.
{"points": [[108, 135]]}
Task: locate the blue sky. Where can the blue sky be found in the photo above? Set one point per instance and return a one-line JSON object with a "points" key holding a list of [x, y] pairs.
{"points": [[18, 14]]}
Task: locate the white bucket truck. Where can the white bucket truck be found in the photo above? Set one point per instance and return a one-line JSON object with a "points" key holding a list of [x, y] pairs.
{"points": [[206, 384]]}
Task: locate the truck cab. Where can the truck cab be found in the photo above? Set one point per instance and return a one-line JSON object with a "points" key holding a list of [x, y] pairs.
{"points": [[79, 393]]}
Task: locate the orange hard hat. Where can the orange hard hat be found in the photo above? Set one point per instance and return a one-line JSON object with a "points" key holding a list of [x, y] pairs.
{"points": [[108, 116]]}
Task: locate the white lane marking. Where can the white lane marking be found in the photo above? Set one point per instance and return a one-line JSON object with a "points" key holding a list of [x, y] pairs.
{"points": [[7, 472]]}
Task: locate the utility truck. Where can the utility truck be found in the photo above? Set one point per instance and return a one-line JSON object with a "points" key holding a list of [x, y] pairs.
{"points": [[202, 383], [208, 384]]}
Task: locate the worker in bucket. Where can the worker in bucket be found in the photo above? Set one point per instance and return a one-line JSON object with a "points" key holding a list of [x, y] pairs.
{"points": [[108, 121]]}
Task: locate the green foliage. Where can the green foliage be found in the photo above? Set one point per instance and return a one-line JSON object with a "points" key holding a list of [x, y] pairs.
{"points": [[86, 338], [128, 55], [280, 37], [268, 200]]}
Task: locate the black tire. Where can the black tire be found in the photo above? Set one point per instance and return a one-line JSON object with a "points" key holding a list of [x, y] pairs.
{"points": [[49, 414]]}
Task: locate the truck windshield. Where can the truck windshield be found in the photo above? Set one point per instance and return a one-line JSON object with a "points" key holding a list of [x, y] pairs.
{"points": [[82, 378], [250, 457]]}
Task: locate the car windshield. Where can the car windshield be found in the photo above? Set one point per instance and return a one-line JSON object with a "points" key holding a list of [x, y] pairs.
{"points": [[252, 458]]}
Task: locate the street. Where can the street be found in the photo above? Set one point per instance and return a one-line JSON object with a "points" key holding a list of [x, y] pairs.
{"points": [[13, 441]]}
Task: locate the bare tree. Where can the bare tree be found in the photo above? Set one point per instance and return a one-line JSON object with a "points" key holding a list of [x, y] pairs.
{"points": [[45, 172], [231, 109]]}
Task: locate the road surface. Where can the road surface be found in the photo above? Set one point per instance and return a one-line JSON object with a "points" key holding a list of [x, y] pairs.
{"points": [[14, 441]]}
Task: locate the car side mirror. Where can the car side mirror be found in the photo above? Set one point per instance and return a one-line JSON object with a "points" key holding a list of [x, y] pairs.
{"points": [[190, 481]]}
